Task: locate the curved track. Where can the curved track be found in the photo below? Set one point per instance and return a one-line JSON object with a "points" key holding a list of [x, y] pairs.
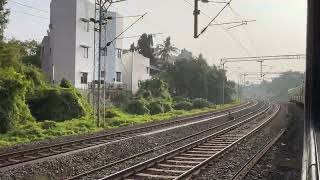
{"points": [[18, 157], [89, 174], [186, 161]]}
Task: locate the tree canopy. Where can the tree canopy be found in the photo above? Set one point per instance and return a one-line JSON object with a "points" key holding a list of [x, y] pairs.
{"points": [[194, 78], [4, 13], [145, 46], [166, 49]]}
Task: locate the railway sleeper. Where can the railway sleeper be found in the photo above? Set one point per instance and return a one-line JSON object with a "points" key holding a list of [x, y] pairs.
{"points": [[190, 158], [151, 176]]}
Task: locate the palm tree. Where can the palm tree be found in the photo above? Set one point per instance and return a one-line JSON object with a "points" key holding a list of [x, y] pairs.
{"points": [[166, 49]]}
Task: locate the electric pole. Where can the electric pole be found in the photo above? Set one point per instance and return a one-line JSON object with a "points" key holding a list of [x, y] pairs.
{"points": [[196, 13], [99, 61], [223, 85]]}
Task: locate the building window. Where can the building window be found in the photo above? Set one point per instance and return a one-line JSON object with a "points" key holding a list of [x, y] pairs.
{"points": [[118, 77], [85, 52], [148, 70], [86, 24], [119, 53], [103, 74], [84, 77]]}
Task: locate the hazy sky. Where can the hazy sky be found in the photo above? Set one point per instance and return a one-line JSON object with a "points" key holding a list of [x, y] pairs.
{"points": [[280, 28]]}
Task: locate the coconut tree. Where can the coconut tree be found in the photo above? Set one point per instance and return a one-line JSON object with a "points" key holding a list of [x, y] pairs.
{"points": [[166, 49]]}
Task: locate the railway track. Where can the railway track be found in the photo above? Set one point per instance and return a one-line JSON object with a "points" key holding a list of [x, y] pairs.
{"points": [[88, 174], [18, 157], [255, 158], [187, 161]]}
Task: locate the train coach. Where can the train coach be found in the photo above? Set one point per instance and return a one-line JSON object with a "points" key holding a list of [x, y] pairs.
{"points": [[296, 95]]}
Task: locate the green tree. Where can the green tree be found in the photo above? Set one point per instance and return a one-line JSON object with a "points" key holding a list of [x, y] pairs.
{"points": [[166, 50], [29, 51], [145, 46], [194, 78], [4, 13]]}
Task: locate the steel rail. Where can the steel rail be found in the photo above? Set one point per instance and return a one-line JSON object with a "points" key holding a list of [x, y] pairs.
{"points": [[255, 159], [202, 165], [160, 147], [7, 159], [144, 165]]}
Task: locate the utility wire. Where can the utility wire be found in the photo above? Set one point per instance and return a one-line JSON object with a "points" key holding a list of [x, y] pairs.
{"points": [[226, 30], [213, 19], [125, 30], [28, 6], [29, 14]]}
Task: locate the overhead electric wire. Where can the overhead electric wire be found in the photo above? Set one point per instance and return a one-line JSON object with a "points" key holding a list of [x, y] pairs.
{"points": [[213, 19], [29, 14], [226, 30], [28, 6], [126, 29]]}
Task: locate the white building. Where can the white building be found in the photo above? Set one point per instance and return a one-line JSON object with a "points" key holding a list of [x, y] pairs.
{"points": [[69, 50], [136, 69]]}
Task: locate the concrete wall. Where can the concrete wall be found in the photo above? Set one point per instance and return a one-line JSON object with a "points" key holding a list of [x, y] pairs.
{"points": [[136, 66], [46, 58], [111, 63], [62, 38], [84, 38], [67, 38]]}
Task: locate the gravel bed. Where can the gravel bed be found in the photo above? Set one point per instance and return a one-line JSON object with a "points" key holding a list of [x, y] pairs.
{"points": [[137, 160], [283, 161], [75, 163], [227, 164], [64, 139]]}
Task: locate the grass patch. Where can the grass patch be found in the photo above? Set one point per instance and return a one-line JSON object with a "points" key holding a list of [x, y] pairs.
{"points": [[34, 131]]}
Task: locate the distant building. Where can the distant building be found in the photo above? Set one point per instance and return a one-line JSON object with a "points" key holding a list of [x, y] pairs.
{"points": [[68, 49], [136, 69], [185, 54]]}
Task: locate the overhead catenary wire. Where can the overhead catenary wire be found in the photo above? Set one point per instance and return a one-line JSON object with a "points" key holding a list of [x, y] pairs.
{"points": [[225, 30], [214, 18], [109, 43], [28, 6], [33, 15]]}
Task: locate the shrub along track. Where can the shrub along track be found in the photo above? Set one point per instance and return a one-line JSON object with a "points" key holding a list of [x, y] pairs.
{"points": [[17, 157], [187, 161], [94, 173]]}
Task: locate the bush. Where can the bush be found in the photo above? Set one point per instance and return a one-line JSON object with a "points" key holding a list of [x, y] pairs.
{"points": [[111, 114], [167, 107], [183, 105], [200, 103], [157, 88], [65, 83], [56, 104], [146, 94], [137, 107], [48, 125], [13, 109], [180, 98], [121, 98], [156, 107]]}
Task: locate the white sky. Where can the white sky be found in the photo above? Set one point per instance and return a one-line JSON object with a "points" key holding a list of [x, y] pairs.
{"points": [[280, 28]]}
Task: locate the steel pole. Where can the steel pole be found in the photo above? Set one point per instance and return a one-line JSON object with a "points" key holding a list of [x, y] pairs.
{"points": [[196, 13], [99, 62], [223, 85]]}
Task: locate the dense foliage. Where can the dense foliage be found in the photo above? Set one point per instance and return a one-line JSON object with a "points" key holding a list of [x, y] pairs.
{"points": [[153, 97], [25, 94], [4, 13], [194, 78]]}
